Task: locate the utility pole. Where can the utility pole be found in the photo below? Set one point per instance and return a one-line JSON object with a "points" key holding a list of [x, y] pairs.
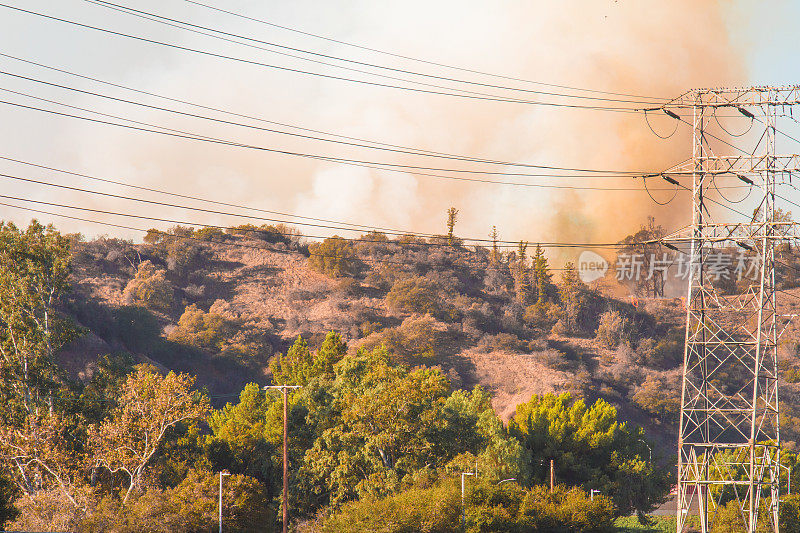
{"points": [[285, 390], [552, 475], [729, 420]]}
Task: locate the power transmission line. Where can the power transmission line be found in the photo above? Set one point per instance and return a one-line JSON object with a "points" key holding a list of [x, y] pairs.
{"points": [[300, 71], [182, 24], [392, 167], [512, 244], [433, 63], [414, 152], [224, 111]]}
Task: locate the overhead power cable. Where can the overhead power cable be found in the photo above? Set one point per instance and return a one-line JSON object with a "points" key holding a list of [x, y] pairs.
{"points": [[329, 76], [418, 60], [414, 152], [197, 198], [259, 119], [188, 26], [392, 167], [205, 225], [220, 110]]}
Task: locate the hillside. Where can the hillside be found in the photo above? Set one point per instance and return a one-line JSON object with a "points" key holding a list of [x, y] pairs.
{"points": [[221, 305]]}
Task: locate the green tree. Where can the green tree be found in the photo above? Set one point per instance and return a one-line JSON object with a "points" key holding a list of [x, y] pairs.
{"points": [[590, 448], [299, 365], [333, 257], [381, 426], [522, 275], [386, 415], [239, 436], [542, 276], [34, 267]]}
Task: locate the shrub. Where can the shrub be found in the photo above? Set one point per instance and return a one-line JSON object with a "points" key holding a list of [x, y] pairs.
{"points": [[542, 314], [552, 358], [613, 329], [333, 257], [418, 338], [214, 332], [503, 342], [206, 331], [210, 234], [149, 288], [666, 353], [190, 506], [659, 398], [489, 508], [414, 295]]}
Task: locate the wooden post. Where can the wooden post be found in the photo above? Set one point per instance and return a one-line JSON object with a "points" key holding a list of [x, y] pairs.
{"points": [[552, 475]]}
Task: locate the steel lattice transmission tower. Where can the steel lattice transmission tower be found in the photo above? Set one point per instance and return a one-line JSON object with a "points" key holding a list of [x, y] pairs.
{"points": [[729, 441]]}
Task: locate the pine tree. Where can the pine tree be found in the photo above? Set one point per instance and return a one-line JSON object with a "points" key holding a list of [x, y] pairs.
{"points": [[521, 273], [452, 218], [541, 276], [495, 252], [573, 297]]}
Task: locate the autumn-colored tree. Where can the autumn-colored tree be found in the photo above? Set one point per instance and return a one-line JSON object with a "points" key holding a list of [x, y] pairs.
{"points": [[40, 454], [417, 339], [207, 331], [659, 398], [149, 405], [645, 248]]}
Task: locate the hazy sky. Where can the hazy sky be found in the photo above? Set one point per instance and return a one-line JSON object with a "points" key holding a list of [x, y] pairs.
{"points": [[632, 46]]}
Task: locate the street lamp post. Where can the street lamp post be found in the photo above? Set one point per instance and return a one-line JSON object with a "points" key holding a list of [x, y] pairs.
{"points": [[592, 492], [285, 389], [223, 473], [463, 507], [506, 480]]}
